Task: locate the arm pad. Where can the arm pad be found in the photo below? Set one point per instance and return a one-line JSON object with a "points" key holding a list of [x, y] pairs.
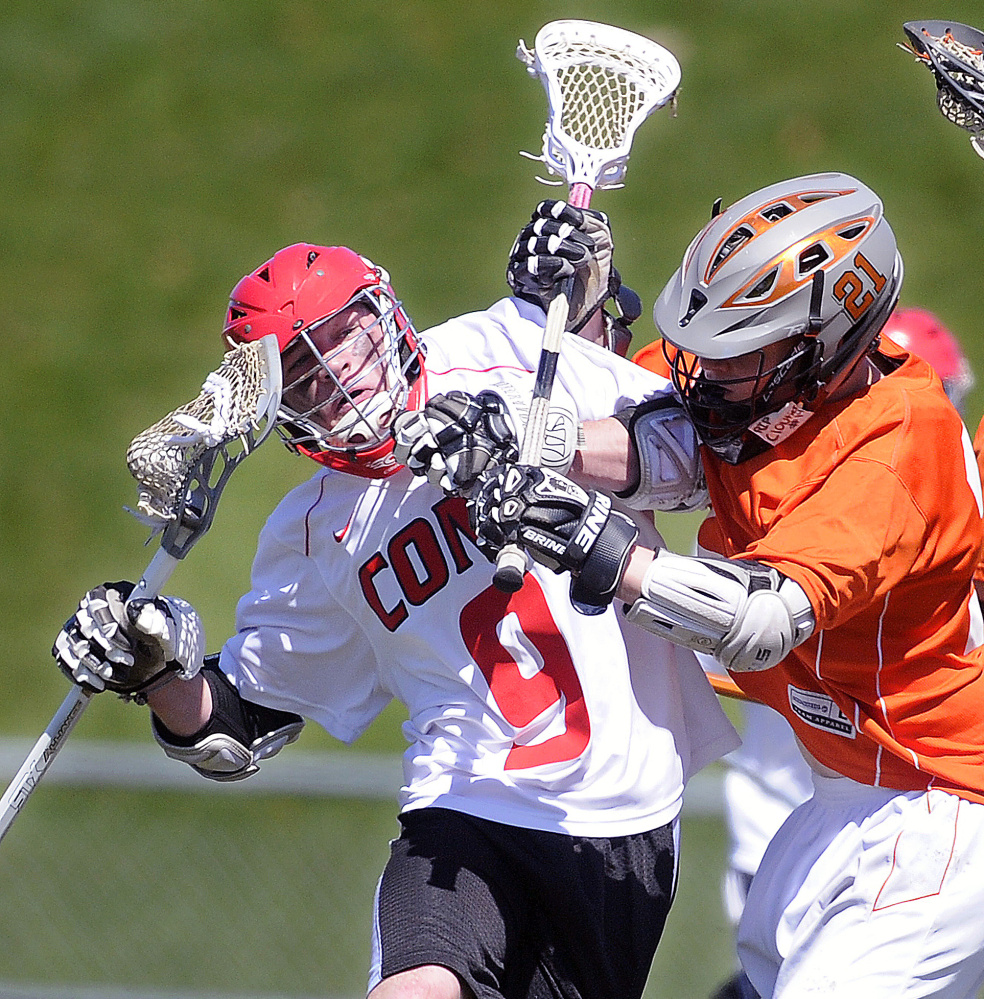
{"points": [[237, 736], [749, 616], [671, 477]]}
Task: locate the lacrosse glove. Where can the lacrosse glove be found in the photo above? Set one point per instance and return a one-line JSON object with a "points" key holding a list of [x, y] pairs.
{"points": [[559, 242], [106, 645], [561, 525], [455, 438]]}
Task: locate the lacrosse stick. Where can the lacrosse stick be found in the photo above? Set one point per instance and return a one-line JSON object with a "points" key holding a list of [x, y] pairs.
{"points": [[602, 83], [181, 465], [724, 686], [955, 55]]}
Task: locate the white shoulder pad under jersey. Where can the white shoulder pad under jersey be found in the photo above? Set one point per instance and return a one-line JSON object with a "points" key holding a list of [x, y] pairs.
{"points": [[520, 710]]}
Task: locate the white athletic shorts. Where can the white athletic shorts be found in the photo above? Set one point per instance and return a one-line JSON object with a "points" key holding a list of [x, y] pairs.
{"points": [[767, 777], [867, 893]]}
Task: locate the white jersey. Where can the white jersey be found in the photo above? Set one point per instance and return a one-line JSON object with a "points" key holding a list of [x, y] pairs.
{"points": [[521, 710]]}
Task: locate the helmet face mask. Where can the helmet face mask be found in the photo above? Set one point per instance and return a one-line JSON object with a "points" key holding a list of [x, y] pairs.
{"points": [[343, 379], [725, 398], [349, 352], [809, 264]]}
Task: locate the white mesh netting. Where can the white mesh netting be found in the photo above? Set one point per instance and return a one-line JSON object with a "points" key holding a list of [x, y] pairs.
{"points": [[604, 88], [599, 105], [162, 456]]}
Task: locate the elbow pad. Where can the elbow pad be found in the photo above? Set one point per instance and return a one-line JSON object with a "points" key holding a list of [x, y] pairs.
{"points": [[671, 477], [237, 736], [747, 615]]}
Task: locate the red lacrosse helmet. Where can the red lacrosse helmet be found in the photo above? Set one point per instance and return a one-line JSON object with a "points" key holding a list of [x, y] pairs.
{"points": [[293, 295], [922, 333]]}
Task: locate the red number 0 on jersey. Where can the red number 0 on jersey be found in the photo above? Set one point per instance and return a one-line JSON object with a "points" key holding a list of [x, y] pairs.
{"points": [[522, 698]]}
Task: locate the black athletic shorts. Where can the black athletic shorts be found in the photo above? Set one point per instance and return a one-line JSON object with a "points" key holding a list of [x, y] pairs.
{"points": [[521, 914]]}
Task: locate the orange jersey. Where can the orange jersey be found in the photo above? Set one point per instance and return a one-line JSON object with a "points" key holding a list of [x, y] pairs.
{"points": [[875, 510], [651, 357]]}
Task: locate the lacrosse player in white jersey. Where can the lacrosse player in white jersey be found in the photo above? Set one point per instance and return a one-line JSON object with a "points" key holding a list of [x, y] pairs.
{"points": [[548, 750]]}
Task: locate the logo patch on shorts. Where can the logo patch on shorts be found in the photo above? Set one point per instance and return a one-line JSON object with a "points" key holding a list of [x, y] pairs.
{"points": [[820, 711]]}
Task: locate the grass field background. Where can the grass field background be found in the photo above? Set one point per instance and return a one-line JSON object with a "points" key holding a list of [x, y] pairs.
{"points": [[151, 152]]}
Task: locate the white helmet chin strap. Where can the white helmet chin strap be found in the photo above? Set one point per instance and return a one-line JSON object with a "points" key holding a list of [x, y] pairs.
{"points": [[364, 424]]}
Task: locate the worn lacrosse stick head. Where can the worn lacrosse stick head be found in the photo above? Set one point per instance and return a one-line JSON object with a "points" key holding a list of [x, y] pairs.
{"points": [[955, 55], [602, 83], [184, 460]]}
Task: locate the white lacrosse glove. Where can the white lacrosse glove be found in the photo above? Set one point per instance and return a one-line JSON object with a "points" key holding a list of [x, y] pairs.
{"points": [[106, 645], [559, 242]]}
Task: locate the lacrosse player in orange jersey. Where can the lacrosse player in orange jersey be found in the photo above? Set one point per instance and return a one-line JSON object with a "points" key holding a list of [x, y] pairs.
{"points": [[767, 777], [846, 527]]}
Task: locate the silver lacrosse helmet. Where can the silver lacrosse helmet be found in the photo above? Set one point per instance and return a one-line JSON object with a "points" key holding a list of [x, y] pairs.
{"points": [[796, 279]]}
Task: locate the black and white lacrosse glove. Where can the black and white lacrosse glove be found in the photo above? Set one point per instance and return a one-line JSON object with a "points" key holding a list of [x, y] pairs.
{"points": [[457, 437], [559, 242], [106, 645], [561, 525]]}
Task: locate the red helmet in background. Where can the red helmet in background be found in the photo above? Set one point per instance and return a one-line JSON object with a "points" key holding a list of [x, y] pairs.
{"points": [[922, 333], [291, 295]]}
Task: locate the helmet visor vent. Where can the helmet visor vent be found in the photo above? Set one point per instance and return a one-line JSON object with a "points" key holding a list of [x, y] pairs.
{"points": [[812, 257], [697, 302], [777, 211], [814, 196], [762, 287], [735, 241], [853, 231]]}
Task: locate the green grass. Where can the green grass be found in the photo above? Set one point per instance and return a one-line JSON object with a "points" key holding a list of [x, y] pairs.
{"points": [[155, 151]]}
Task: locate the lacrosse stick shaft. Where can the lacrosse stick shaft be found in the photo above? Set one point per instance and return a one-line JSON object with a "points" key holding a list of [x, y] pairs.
{"points": [[724, 686], [35, 766], [510, 565], [38, 760], [602, 82]]}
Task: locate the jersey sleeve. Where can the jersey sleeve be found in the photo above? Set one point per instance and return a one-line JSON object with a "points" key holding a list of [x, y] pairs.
{"points": [[503, 343], [297, 649], [614, 381]]}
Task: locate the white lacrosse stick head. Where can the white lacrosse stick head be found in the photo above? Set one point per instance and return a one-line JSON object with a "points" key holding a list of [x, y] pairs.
{"points": [[195, 447], [602, 83]]}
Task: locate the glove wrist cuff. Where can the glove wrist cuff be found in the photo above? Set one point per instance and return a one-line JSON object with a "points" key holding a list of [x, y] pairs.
{"points": [[594, 588]]}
